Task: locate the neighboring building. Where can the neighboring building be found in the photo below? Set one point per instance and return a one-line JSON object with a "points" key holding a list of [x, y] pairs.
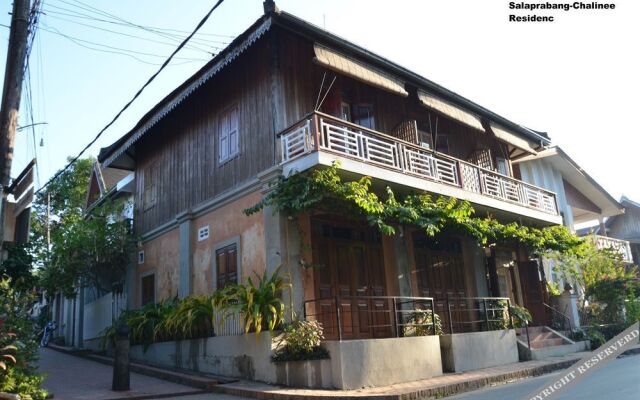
{"points": [[84, 317], [620, 229], [287, 96], [580, 198]]}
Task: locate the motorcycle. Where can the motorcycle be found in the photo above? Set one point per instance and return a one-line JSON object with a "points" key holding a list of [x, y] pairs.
{"points": [[47, 334]]}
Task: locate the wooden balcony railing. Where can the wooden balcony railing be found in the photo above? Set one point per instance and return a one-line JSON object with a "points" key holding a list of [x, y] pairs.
{"points": [[321, 132], [620, 246]]}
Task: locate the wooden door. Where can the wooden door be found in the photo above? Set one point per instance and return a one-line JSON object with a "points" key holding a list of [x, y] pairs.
{"points": [[532, 291], [440, 272], [351, 268]]}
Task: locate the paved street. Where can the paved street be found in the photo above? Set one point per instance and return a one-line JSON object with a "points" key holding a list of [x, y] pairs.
{"points": [[75, 378], [618, 380]]}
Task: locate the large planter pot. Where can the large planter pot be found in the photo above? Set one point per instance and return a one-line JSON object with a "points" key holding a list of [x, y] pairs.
{"points": [[313, 374]]}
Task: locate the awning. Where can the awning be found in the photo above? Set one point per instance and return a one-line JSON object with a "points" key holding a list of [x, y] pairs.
{"points": [[358, 70], [450, 110], [512, 140]]}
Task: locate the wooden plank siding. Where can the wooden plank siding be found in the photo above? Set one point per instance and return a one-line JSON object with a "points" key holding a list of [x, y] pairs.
{"points": [[184, 146], [276, 75]]}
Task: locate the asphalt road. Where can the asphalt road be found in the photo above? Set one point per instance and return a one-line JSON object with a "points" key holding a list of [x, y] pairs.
{"points": [[618, 380]]}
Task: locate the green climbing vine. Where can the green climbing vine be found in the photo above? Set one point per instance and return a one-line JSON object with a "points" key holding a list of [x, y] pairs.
{"points": [[324, 190]]}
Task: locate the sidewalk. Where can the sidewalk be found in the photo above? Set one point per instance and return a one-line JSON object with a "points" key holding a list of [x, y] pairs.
{"points": [[446, 385], [75, 378]]}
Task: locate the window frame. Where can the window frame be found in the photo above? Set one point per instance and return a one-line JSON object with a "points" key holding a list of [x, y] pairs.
{"points": [[150, 186], [155, 286], [219, 246], [231, 154]]}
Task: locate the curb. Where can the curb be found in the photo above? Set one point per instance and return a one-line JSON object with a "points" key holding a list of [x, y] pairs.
{"points": [[203, 383], [420, 394]]}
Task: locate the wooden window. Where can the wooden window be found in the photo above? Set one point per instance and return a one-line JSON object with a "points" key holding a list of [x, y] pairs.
{"points": [[363, 116], [150, 192], [226, 265], [147, 289], [229, 141]]}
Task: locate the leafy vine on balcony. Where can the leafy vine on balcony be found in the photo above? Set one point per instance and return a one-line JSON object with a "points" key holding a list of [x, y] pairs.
{"points": [[324, 190]]}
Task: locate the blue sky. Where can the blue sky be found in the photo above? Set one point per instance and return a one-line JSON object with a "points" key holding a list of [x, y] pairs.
{"points": [[576, 78]]}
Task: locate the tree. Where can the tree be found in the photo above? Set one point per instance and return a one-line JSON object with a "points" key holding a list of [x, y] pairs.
{"points": [[88, 250]]}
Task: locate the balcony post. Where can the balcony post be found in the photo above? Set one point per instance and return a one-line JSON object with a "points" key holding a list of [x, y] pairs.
{"points": [[449, 316], [338, 319], [486, 313], [395, 317]]}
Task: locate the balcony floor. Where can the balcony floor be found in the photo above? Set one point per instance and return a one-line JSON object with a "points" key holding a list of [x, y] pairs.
{"points": [[322, 158]]}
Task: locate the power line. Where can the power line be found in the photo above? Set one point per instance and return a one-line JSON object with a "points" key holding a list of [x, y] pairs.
{"points": [[173, 37], [119, 50], [126, 34], [114, 19], [126, 106], [93, 9]]}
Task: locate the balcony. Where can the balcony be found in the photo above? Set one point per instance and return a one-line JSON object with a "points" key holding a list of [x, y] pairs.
{"points": [[322, 139], [619, 246]]}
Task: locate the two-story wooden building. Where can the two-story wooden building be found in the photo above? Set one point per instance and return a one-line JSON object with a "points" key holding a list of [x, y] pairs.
{"points": [[287, 96]]}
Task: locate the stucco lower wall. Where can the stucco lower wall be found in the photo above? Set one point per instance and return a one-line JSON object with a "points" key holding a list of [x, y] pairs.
{"points": [[379, 362], [243, 356], [161, 258], [469, 351], [225, 223]]}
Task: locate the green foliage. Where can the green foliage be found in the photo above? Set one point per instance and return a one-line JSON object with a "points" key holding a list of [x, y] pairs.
{"points": [[520, 315], [19, 267], [193, 317], [553, 288], [259, 304], [323, 189], [422, 323], [607, 283], [597, 339], [18, 344], [301, 341], [147, 323]]}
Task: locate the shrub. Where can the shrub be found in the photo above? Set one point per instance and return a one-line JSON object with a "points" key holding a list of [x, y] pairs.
{"points": [[520, 315], [597, 339], [192, 318], [301, 341], [259, 305], [421, 323]]}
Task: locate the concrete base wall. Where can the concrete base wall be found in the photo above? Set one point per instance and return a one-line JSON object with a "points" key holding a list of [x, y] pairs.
{"points": [[469, 351], [379, 362], [314, 374], [243, 356]]}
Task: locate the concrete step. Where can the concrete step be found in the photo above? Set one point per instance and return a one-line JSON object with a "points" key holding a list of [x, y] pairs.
{"points": [[538, 344], [533, 330]]}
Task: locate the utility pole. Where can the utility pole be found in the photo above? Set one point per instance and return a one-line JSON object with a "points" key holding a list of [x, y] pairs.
{"points": [[11, 93]]}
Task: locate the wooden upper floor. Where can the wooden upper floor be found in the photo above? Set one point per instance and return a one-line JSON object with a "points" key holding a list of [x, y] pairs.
{"points": [[225, 125]]}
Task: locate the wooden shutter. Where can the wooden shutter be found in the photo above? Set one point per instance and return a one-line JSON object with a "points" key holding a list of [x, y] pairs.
{"points": [[227, 266], [229, 141]]}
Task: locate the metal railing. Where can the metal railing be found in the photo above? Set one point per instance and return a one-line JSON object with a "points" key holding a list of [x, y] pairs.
{"points": [[361, 317], [320, 131], [478, 314], [559, 321]]}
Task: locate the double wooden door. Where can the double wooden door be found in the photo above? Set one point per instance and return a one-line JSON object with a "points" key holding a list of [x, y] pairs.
{"points": [[440, 273], [350, 283]]}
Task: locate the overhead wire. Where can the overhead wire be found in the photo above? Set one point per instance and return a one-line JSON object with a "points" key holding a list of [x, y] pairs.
{"points": [[76, 40], [114, 19], [195, 45], [126, 34], [136, 95]]}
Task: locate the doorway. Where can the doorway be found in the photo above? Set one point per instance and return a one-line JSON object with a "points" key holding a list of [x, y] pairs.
{"points": [[350, 282]]}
